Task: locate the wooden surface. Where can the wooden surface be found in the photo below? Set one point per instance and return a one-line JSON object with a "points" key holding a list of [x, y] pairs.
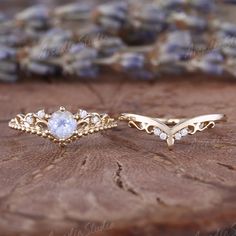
{"points": [[120, 182]]}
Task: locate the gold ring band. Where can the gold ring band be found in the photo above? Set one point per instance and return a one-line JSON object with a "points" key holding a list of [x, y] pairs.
{"points": [[171, 129], [62, 126]]}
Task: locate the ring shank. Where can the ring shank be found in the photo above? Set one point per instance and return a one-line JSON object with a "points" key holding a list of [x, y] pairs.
{"points": [[202, 118], [173, 121]]}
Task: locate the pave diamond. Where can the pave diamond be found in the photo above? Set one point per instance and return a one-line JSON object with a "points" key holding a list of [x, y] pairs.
{"points": [[184, 132], [82, 113], [95, 120], [157, 131], [29, 120], [62, 124], [26, 124], [41, 114], [163, 136], [178, 136]]}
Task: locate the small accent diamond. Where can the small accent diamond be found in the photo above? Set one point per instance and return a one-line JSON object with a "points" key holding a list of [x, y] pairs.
{"points": [[26, 124], [178, 136], [41, 114], [95, 120], [184, 132], [82, 113], [163, 136], [29, 120], [157, 131]]}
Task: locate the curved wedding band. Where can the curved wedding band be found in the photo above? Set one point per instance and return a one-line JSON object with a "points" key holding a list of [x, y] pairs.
{"points": [[172, 129], [62, 126]]}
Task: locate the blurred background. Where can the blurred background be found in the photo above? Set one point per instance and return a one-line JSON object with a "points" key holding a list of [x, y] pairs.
{"points": [[140, 39]]}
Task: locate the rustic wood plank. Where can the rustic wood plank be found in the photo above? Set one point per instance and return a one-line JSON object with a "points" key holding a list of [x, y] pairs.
{"points": [[123, 177]]}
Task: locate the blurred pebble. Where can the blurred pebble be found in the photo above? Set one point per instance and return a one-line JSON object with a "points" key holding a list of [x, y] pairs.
{"points": [[108, 46], [76, 48], [134, 64], [178, 44], [36, 17], [174, 4], [73, 11], [211, 68], [9, 78], [229, 29], [53, 44], [190, 21], [112, 16], [42, 69], [3, 18], [180, 39], [80, 62], [214, 56], [229, 1], [7, 53], [8, 67], [131, 61], [57, 35], [149, 17], [13, 37], [204, 6], [228, 45]]}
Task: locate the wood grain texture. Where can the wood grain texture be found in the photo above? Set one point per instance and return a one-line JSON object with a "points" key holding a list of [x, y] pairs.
{"points": [[122, 177]]}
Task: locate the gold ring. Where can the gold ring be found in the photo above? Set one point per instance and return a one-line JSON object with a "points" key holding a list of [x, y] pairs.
{"points": [[171, 129], [62, 126]]}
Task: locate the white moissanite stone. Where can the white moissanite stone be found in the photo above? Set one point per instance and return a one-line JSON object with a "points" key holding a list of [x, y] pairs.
{"points": [[163, 136], [157, 131], [82, 113], [95, 120], [184, 132], [41, 114], [178, 136], [62, 124], [29, 120]]}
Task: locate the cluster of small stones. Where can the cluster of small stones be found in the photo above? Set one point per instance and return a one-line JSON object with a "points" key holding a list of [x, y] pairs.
{"points": [[27, 123], [163, 136], [182, 133], [141, 39], [61, 125], [95, 119]]}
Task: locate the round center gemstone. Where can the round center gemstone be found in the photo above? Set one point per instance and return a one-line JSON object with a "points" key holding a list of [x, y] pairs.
{"points": [[62, 124]]}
